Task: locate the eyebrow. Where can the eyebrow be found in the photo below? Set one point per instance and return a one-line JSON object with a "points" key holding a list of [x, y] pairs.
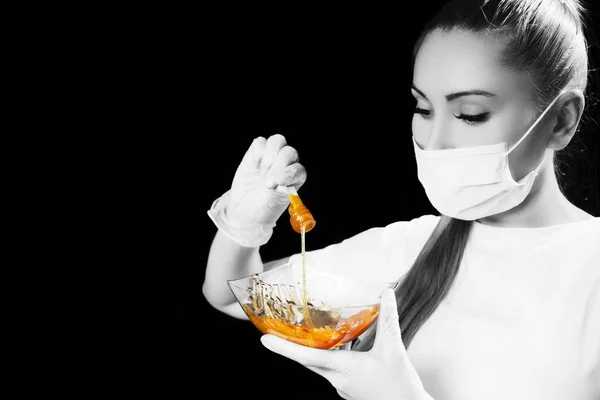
{"points": [[455, 95]]}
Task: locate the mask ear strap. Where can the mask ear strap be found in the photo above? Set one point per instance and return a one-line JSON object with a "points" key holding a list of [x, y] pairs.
{"points": [[535, 123]]}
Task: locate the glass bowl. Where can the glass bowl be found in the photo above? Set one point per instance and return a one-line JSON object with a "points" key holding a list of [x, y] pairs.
{"points": [[335, 311]]}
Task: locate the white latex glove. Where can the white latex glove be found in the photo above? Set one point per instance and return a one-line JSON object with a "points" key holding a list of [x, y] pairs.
{"points": [[382, 373], [248, 212]]}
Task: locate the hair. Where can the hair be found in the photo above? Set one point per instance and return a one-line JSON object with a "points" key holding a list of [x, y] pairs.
{"points": [[544, 38]]}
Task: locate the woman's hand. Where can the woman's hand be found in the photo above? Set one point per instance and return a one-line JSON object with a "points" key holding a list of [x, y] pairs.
{"points": [[248, 211], [267, 164], [382, 373]]}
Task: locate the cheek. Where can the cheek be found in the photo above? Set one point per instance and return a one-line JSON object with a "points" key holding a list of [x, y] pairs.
{"points": [[527, 155], [520, 162]]}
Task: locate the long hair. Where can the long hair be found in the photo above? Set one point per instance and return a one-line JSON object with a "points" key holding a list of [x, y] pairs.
{"points": [[544, 38]]}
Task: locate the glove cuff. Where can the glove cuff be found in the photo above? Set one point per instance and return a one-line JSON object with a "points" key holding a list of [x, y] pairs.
{"points": [[245, 235]]}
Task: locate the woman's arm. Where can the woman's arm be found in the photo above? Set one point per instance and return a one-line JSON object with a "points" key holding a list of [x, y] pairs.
{"points": [[229, 260]]}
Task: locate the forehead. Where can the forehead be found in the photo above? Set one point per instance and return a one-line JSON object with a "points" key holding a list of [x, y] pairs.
{"points": [[451, 61]]}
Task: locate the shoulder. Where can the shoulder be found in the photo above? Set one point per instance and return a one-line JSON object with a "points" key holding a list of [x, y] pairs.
{"points": [[586, 235], [414, 229], [396, 233], [583, 232]]}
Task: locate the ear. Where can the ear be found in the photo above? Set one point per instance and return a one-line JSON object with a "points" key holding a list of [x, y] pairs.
{"points": [[569, 108]]}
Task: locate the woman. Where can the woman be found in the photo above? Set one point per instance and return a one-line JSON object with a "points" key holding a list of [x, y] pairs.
{"points": [[499, 294]]}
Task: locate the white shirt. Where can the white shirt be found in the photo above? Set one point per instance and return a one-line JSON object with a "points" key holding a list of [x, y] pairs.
{"points": [[521, 320]]}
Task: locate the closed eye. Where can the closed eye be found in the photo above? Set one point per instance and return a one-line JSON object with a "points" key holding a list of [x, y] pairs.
{"points": [[424, 113], [473, 118]]}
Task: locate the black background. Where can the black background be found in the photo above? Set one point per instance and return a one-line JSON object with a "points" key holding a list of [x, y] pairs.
{"points": [[336, 84]]}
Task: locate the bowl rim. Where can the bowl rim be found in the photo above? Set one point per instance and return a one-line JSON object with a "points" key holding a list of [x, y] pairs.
{"points": [[231, 282]]}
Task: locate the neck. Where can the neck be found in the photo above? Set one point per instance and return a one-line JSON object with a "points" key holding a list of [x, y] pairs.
{"points": [[545, 205]]}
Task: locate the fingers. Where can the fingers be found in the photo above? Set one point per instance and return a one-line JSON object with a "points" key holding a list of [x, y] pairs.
{"points": [[294, 174], [257, 151], [277, 162], [274, 144], [254, 153], [388, 336], [286, 170], [389, 308]]}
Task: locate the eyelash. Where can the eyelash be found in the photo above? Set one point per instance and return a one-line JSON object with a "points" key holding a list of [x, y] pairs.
{"points": [[469, 119]]}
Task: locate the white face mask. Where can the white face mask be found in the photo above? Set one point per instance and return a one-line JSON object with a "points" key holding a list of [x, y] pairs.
{"points": [[474, 182]]}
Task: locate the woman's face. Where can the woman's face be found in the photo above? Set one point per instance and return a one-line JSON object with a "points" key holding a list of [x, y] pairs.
{"points": [[466, 98]]}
